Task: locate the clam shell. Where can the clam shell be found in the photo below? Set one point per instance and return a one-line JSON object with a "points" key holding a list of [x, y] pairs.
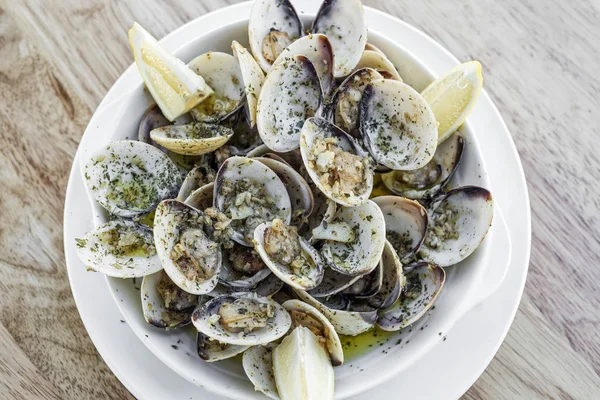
{"points": [[199, 176], [405, 222], [267, 16], [193, 139], [267, 287], [349, 323], [253, 78], [343, 22], [222, 73], [258, 365], [236, 168], [201, 198], [284, 272], [154, 309], [213, 350], [393, 279], [332, 340], [418, 184], [424, 284], [102, 255], [315, 128], [333, 282], [291, 94], [474, 210], [129, 178], [367, 285], [230, 277], [380, 63], [398, 125], [361, 256], [171, 219], [277, 326]]}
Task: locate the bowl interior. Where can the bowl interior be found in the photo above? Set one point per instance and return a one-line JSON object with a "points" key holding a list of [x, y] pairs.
{"points": [[388, 356]]}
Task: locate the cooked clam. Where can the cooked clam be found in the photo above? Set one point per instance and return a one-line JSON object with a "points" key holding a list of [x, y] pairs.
{"points": [[273, 26], [349, 323], [120, 248], [362, 255], [250, 193], [346, 100], [222, 73], [242, 319], [424, 283], [268, 287], [190, 255], [201, 198], [333, 282], [380, 63], [336, 163], [242, 267], [367, 285], [253, 78], [405, 223], [291, 94], [288, 255], [129, 178], [319, 51], [199, 176], [397, 124], [343, 22], [299, 191], [458, 223], [427, 182], [164, 304], [211, 350], [303, 314], [193, 139]]}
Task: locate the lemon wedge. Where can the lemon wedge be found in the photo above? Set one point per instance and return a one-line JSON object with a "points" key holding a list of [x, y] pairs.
{"points": [[453, 95], [302, 367], [173, 85]]}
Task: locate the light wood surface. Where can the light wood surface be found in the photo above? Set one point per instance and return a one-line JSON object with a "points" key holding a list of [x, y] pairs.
{"points": [[541, 60]]}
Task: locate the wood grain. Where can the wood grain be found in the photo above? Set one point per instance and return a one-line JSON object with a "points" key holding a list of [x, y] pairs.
{"points": [[541, 60]]}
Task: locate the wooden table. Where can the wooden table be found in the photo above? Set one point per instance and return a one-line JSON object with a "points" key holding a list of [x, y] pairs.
{"points": [[541, 61]]}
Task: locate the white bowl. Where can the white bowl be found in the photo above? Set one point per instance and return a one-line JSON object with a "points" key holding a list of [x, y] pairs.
{"points": [[467, 284]]}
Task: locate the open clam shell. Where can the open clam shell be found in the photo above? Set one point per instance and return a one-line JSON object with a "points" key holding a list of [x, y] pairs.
{"points": [[261, 195], [349, 323], [423, 285], [258, 365], [291, 94], [343, 22], [336, 163], [393, 279], [190, 258], [193, 139], [253, 78], [458, 223], [405, 223], [299, 191], [199, 176], [427, 182], [222, 73], [363, 254], [367, 285], [333, 282], [242, 267], [201, 198], [208, 321], [120, 248], [346, 99], [129, 178], [164, 304], [308, 276], [303, 314], [153, 118], [380, 63], [273, 25], [317, 48], [213, 350], [398, 125]]}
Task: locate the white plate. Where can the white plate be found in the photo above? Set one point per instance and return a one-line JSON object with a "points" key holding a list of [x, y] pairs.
{"points": [[513, 204]]}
